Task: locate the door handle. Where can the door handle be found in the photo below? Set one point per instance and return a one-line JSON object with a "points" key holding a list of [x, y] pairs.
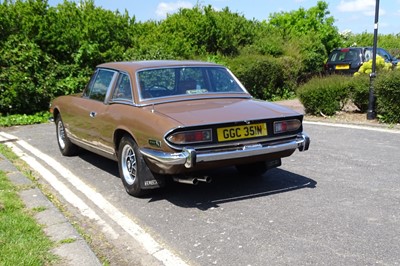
{"points": [[92, 114]]}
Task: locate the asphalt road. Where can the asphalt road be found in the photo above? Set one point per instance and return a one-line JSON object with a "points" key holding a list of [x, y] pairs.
{"points": [[336, 204]]}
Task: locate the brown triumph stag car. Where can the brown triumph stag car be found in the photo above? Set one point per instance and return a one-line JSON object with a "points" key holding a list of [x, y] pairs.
{"points": [[162, 119]]}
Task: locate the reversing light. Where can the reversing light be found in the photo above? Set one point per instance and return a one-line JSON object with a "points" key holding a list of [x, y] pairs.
{"points": [[286, 126], [190, 137]]}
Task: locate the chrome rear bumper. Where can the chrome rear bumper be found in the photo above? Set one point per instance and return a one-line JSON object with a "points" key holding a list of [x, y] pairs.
{"points": [[189, 157]]}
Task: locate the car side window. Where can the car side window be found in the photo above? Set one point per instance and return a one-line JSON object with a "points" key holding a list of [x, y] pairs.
{"points": [[384, 54], [99, 85], [368, 54], [123, 90]]}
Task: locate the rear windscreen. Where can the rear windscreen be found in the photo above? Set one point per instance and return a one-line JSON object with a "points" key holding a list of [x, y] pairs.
{"points": [[345, 55]]}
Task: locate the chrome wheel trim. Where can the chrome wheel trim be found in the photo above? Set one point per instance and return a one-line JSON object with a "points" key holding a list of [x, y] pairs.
{"points": [[61, 134], [128, 164]]}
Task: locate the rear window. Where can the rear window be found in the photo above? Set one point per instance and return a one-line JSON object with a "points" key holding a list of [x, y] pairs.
{"points": [[344, 55], [155, 83]]}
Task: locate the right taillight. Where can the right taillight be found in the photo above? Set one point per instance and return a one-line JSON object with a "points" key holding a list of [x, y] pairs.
{"points": [[286, 126]]}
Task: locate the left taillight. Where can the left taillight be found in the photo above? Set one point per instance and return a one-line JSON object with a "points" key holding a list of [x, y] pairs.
{"points": [[191, 137], [286, 126]]}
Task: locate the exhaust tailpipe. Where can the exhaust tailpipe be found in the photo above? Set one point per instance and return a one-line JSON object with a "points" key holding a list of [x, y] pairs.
{"points": [[190, 180], [206, 179]]}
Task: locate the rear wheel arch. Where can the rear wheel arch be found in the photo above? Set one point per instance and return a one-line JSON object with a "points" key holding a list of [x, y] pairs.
{"points": [[118, 135], [56, 113]]}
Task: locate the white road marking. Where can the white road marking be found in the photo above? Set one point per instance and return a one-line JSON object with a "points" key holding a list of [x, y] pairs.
{"points": [[69, 196], [4, 137], [145, 239], [378, 129]]}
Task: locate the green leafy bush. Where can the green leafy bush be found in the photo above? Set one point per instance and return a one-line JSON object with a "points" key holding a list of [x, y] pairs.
{"points": [[26, 78], [359, 92], [366, 68], [261, 75], [325, 95], [387, 88], [292, 69], [13, 120]]}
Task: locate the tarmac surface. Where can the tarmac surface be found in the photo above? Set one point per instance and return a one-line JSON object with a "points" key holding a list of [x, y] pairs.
{"points": [[71, 247]]}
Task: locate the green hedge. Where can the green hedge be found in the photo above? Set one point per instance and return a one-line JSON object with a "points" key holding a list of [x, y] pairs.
{"points": [[325, 95], [387, 90], [359, 92], [263, 76]]}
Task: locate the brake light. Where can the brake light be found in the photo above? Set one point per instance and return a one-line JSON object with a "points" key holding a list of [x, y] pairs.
{"points": [[286, 126], [189, 137]]}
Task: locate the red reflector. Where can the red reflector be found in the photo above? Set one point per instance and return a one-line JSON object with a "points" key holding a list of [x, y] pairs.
{"points": [[286, 126], [195, 136], [281, 127]]}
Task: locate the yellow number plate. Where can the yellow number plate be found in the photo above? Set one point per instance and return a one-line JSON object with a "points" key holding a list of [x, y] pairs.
{"points": [[242, 132], [342, 67]]}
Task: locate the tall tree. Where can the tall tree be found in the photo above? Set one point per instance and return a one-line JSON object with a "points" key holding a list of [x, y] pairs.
{"points": [[314, 21]]}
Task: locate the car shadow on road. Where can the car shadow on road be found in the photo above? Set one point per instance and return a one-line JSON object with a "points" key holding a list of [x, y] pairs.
{"points": [[229, 186], [100, 162]]}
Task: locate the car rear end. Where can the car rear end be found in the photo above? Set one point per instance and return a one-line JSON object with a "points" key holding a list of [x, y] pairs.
{"points": [[345, 61], [258, 134]]}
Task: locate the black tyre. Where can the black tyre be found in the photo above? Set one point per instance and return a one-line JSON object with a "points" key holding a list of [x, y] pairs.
{"points": [[130, 164], [253, 169], [67, 148]]}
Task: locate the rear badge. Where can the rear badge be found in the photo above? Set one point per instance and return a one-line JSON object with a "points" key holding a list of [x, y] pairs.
{"points": [[154, 142]]}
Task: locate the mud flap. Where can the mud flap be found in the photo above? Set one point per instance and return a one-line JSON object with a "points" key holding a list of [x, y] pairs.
{"points": [[149, 180]]}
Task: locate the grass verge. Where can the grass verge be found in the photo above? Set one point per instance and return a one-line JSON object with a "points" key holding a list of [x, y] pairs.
{"points": [[22, 240]]}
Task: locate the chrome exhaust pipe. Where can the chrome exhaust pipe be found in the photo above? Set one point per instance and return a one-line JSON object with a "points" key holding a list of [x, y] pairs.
{"points": [[206, 179], [190, 180]]}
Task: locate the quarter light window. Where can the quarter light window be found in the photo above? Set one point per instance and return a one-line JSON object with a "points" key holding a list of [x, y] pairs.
{"points": [[123, 90], [99, 85]]}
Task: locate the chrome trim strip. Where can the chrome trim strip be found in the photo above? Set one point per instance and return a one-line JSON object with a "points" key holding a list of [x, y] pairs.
{"points": [[189, 157], [95, 148], [183, 97], [178, 158]]}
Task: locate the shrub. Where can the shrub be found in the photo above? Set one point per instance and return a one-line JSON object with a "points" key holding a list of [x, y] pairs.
{"points": [[387, 88], [261, 75], [325, 95], [366, 68], [26, 78], [359, 92], [292, 70], [13, 120]]}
